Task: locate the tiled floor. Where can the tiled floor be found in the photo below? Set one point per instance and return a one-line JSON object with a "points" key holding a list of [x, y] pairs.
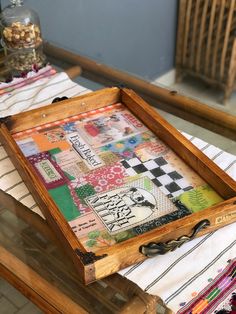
{"points": [[11, 301]]}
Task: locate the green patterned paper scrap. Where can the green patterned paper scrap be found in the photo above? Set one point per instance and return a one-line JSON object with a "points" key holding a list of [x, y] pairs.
{"points": [[62, 197], [200, 198], [85, 191], [54, 151]]}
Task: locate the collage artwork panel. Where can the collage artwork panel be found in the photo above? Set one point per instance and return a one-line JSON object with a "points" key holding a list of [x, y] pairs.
{"points": [[111, 177]]}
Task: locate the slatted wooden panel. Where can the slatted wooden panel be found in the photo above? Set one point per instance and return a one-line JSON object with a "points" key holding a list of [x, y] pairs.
{"points": [[205, 43]]}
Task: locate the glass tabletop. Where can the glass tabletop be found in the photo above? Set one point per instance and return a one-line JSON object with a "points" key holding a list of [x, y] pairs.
{"points": [[27, 238]]}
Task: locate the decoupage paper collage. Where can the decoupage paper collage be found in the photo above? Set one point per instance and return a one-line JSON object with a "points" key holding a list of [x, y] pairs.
{"points": [[111, 177]]}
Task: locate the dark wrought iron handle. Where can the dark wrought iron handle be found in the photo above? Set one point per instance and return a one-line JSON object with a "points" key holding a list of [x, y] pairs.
{"points": [[57, 99], [152, 249]]}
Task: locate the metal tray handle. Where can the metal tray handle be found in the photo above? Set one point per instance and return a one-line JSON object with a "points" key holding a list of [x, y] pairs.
{"points": [[152, 249]]}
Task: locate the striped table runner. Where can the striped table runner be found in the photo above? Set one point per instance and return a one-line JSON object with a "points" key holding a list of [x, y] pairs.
{"points": [[219, 290], [177, 277]]}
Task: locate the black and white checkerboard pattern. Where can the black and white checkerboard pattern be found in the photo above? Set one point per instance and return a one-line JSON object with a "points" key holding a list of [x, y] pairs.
{"points": [[160, 172]]}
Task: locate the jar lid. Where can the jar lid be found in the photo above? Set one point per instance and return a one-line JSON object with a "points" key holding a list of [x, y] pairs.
{"points": [[16, 2]]}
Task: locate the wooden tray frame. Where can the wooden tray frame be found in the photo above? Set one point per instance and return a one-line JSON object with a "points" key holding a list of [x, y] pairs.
{"points": [[106, 261]]}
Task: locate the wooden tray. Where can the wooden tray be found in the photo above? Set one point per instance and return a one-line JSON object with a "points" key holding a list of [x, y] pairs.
{"points": [[115, 181]]}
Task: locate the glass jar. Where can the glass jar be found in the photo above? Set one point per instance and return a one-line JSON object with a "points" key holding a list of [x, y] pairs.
{"points": [[20, 26], [25, 60]]}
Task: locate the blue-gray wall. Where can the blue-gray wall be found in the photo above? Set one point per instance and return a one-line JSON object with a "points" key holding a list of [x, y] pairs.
{"points": [[137, 36]]}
